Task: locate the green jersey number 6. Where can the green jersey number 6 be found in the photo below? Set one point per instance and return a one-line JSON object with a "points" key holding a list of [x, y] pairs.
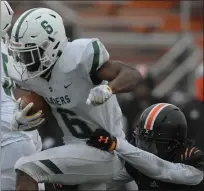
{"points": [[47, 27]]}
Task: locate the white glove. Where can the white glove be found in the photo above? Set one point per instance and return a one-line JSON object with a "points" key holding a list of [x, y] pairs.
{"points": [[99, 95], [23, 122]]}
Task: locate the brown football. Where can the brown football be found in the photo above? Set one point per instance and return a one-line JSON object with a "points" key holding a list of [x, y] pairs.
{"points": [[28, 97]]}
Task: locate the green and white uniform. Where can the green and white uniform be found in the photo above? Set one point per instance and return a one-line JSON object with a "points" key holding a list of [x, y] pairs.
{"points": [[66, 91]]}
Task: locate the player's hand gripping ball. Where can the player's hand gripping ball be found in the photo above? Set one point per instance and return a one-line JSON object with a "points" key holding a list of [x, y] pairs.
{"points": [[30, 112], [99, 95]]}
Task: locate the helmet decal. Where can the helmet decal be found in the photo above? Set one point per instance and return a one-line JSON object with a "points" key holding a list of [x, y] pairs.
{"points": [[149, 122], [20, 23]]}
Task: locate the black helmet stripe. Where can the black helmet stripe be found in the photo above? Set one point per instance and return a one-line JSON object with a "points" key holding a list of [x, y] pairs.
{"points": [[149, 122], [20, 23]]}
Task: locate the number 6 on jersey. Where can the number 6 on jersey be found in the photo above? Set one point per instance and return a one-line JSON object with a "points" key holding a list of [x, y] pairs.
{"points": [[76, 126]]}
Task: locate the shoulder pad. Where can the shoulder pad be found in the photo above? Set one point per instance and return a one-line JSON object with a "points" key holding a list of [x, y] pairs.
{"points": [[72, 54]]}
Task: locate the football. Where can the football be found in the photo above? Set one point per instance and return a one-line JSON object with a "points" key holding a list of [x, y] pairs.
{"points": [[28, 97]]}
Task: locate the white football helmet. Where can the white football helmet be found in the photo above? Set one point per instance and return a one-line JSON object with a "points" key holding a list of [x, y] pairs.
{"points": [[37, 40], [6, 17]]}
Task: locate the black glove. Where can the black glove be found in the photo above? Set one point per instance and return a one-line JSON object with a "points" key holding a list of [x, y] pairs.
{"points": [[103, 140], [192, 156]]}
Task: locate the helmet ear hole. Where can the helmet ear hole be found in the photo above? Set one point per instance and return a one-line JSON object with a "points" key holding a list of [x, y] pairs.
{"points": [[56, 45], [51, 39]]}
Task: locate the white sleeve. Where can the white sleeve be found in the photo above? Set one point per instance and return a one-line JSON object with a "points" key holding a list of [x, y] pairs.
{"points": [[94, 56], [157, 168]]}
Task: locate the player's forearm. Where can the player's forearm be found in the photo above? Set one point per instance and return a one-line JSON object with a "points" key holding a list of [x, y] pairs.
{"points": [[156, 168], [126, 80]]}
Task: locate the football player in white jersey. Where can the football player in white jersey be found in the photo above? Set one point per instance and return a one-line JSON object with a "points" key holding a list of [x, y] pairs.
{"points": [[74, 78], [14, 144]]}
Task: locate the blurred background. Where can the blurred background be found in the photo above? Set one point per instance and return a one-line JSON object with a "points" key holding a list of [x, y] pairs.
{"points": [[163, 39]]}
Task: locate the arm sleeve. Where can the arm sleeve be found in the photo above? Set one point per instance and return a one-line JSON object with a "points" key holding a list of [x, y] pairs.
{"points": [[94, 57], [157, 168]]}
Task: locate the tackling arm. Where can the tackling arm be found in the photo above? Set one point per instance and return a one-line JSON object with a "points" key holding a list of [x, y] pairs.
{"points": [[157, 168], [121, 77]]}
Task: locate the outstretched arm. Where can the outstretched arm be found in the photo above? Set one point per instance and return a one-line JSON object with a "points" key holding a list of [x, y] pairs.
{"points": [[148, 163], [157, 168]]}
